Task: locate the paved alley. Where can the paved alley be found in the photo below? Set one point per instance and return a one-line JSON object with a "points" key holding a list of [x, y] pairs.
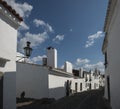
{"points": [[85, 100]]}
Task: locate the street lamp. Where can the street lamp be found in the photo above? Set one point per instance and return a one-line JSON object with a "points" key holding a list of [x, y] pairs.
{"points": [[28, 50]]}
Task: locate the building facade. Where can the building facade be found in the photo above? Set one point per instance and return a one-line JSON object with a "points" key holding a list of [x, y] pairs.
{"points": [[111, 51], [41, 81], [9, 22]]}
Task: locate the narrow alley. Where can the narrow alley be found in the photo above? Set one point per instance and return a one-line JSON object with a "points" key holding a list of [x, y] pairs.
{"points": [[86, 100]]}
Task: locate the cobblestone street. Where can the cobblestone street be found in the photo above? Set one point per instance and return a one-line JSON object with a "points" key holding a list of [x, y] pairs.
{"points": [[85, 100]]}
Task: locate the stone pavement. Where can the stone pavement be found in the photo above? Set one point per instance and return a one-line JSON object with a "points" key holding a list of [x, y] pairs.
{"points": [[86, 100]]}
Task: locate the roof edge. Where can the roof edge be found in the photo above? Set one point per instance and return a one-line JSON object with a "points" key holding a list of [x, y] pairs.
{"points": [[11, 10]]}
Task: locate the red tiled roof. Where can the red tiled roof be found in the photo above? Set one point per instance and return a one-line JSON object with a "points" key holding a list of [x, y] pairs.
{"points": [[11, 10]]}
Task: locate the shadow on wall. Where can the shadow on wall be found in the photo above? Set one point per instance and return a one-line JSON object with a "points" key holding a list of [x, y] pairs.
{"points": [[57, 92], [9, 94], [1, 90]]}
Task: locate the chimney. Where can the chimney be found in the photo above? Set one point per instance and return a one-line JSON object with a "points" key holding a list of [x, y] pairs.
{"points": [[81, 75], [68, 67], [52, 57]]}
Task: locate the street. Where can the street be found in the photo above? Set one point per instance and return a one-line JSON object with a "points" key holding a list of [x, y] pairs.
{"points": [[85, 100]]}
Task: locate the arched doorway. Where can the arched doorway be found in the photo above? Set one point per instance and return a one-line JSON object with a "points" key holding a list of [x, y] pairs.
{"points": [[1, 90]]}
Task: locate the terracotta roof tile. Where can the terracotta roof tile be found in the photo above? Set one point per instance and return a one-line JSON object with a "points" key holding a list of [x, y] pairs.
{"points": [[11, 10]]}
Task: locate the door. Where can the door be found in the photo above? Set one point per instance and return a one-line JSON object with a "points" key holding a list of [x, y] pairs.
{"points": [[76, 87], [90, 86], [80, 86], [1, 90], [108, 87]]}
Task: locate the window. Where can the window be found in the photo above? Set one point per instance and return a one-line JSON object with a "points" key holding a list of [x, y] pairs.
{"points": [[90, 85], [80, 86], [105, 60], [86, 79]]}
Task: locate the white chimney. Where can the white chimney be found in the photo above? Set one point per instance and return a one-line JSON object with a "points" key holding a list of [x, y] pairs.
{"points": [[68, 67], [52, 57], [81, 72]]}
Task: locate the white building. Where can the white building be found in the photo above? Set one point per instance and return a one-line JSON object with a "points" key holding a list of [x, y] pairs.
{"points": [[112, 53], [41, 81], [9, 22]]}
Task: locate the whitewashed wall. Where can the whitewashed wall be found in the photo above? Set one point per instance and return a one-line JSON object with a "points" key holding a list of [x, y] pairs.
{"points": [[78, 81], [8, 46], [33, 79], [57, 85], [113, 67], [95, 81], [40, 81]]}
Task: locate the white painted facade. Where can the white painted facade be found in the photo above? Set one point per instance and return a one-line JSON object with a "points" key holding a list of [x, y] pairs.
{"points": [[78, 81], [112, 54], [8, 46], [32, 79], [95, 81], [91, 81], [57, 88], [41, 81]]}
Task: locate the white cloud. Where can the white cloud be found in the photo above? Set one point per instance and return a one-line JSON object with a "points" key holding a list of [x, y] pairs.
{"points": [[35, 39], [80, 61], [99, 66], [39, 22], [85, 63], [19, 35], [37, 59], [92, 38], [23, 26], [58, 38], [23, 9]]}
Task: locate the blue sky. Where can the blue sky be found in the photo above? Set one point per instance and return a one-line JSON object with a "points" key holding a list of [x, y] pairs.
{"points": [[73, 27]]}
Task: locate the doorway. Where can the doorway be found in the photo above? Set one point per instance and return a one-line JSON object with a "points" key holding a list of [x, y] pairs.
{"points": [[76, 87], [108, 87], [80, 86]]}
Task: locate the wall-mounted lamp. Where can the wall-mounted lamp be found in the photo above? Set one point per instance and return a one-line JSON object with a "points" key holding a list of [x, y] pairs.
{"points": [[27, 50]]}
